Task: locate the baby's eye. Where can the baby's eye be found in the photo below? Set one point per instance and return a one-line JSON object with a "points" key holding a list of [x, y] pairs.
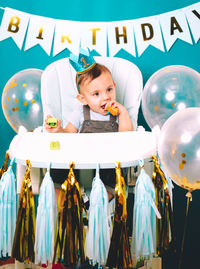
{"points": [[109, 89], [96, 94]]}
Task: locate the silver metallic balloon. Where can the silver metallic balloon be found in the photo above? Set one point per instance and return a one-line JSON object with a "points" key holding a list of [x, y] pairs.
{"points": [[169, 90], [21, 100], [179, 148]]}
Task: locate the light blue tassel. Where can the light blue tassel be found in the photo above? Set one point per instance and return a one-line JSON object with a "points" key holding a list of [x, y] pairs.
{"points": [[45, 222], [98, 236], [7, 211], [144, 216]]}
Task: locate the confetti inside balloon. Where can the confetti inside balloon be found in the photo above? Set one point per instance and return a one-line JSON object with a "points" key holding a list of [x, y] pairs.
{"points": [[21, 100], [169, 90], [179, 148]]}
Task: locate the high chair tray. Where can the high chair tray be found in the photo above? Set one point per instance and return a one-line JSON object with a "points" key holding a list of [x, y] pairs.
{"points": [[85, 150]]}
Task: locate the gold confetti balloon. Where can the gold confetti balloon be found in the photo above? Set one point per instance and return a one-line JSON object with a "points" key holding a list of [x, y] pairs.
{"points": [[21, 100], [179, 148], [169, 90]]}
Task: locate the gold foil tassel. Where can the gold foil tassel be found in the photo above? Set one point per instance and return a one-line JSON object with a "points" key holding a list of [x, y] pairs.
{"points": [[24, 239], [163, 239], [4, 167], [119, 255], [69, 247]]}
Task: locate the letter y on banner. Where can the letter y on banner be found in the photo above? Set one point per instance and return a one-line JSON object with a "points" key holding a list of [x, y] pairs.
{"points": [[14, 25], [193, 17]]}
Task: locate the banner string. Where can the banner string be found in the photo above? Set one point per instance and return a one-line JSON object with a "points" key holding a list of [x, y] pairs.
{"points": [[2, 8]]}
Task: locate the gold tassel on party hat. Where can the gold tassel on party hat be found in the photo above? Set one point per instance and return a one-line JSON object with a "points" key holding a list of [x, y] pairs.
{"points": [[69, 247], [24, 239], [163, 225], [4, 167], [119, 255]]}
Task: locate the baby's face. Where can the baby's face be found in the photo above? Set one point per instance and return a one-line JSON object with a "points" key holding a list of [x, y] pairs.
{"points": [[98, 92]]}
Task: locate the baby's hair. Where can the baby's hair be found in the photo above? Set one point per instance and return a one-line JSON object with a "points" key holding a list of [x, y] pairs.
{"points": [[93, 73]]}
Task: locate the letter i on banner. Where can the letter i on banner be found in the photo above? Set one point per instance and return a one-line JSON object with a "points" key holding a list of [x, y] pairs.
{"points": [[193, 17], [94, 36], [40, 31], [14, 25], [174, 26], [148, 32], [121, 36]]}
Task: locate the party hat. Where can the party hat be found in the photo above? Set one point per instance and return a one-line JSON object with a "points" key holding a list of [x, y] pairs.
{"points": [[83, 62]]}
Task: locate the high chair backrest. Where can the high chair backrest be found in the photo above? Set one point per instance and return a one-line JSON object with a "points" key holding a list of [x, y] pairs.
{"points": [[59, 91]]}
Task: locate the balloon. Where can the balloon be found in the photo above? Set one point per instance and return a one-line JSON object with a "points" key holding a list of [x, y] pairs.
{"points": [[179, 148], [21, 100], [169, 90]]}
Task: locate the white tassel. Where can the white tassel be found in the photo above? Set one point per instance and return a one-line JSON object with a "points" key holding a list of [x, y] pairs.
{"points": [[45, 222], [98, 236], [144, 217], [7, 211]]}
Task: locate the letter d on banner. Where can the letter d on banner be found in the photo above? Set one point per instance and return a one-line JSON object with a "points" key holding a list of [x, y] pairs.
{"points": [[14, 25]]}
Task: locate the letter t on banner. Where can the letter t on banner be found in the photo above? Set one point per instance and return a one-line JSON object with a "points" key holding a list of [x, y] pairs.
{"points": [[94, 36], [14, 25]]}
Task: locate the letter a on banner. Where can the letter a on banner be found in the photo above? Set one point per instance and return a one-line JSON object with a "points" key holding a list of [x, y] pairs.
{"points": [[193, 16], [40, 31], [14, 25], [147, 32], [174, 26]]}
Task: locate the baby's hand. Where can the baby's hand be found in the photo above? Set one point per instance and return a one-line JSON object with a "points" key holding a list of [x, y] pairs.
{"points": [[53, 129], [115, 108]]}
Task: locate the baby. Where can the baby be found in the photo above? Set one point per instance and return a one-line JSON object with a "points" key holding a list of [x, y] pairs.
{"points": [[96, 93]]}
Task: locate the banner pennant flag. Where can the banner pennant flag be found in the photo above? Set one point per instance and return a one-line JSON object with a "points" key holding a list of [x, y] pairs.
{"points": [[94, 36], [14, 25], [174, 26], [193, 17], [120, 36], [40, 31], [67, 35], [147, 32]]}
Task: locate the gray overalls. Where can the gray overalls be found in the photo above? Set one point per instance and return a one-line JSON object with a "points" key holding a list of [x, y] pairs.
{"points": [[96, 126]]}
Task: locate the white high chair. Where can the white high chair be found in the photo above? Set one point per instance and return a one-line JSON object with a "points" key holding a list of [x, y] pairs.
{"points": [[58, 92]]}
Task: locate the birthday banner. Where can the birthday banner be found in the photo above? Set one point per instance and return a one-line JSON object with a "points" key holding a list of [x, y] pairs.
{"points": [[134, 36]]}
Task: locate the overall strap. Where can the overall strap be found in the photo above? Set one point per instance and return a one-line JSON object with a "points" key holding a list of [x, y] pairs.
{"points": [[112, 118], [86, 112]]}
